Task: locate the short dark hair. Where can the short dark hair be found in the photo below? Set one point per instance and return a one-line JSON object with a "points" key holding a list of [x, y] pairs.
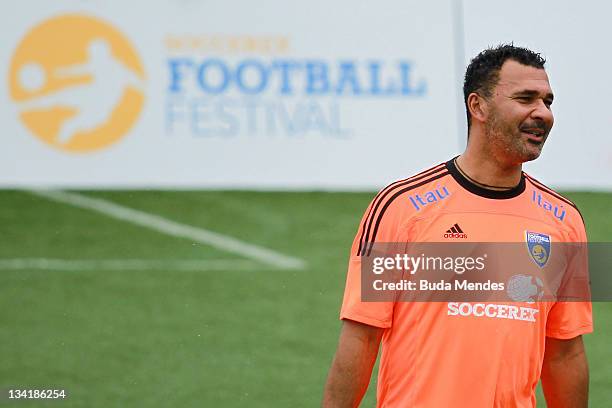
{"points": [[482, 74]]}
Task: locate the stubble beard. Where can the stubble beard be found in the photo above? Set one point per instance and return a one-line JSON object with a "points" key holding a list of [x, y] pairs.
{"points": [[506, 141]]}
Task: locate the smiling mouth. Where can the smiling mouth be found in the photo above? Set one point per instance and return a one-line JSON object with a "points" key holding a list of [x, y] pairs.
{"points": [[535, 137]]}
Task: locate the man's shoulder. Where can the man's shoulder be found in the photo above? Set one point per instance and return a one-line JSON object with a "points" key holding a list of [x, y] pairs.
{"points": [[417, 180], [550, 193], [397, 203], [552, 200], [401, 191]]}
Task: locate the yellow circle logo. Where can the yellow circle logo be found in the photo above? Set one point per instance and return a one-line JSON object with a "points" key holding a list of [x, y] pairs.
{"points": [[539, 254], [77, 83]]}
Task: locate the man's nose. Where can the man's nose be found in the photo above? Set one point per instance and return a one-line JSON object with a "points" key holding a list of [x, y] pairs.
{"points": [[543, 112]]}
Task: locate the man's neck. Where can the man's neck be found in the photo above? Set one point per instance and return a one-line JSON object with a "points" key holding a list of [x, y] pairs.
{"points": [[487, 171]]}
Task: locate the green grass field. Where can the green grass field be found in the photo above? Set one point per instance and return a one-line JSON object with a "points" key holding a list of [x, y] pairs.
{"points": [[256, 337]]}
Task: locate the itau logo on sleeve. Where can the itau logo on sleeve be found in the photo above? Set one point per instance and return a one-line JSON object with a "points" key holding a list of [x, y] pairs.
{"points": [[77, 83]]}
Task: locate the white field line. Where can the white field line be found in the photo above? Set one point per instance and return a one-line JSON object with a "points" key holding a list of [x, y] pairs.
{"points": [[127, 264], [175, 229]]}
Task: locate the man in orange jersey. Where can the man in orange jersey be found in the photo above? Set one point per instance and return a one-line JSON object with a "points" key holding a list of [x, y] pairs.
{"points": [[467, 354]]}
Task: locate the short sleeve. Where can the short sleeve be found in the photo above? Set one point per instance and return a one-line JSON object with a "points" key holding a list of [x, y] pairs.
{"points": [[388, 227], [378, 314], [569, 319]]}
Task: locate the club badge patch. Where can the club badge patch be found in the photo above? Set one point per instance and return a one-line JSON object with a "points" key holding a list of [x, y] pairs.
{"points": [[538, 246]]}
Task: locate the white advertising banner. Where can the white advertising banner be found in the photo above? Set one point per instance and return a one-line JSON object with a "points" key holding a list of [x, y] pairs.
{"points": [[229, 94], [276, 95]]}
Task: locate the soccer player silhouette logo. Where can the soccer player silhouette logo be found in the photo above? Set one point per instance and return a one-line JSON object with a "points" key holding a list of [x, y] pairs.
{"points": [[94, 101], [82, 91]]}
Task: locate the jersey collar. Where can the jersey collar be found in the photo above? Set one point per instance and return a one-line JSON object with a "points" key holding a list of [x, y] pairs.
{"points": [[481, 191]]}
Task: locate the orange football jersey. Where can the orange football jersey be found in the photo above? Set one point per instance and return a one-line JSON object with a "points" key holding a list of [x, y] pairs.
{"points": [[463, 354]]}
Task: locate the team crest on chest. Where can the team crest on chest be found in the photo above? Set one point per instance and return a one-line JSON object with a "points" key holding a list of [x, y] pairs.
{"points": [[538, 246]]}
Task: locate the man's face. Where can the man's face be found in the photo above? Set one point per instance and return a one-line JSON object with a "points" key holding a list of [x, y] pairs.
{"points": [[520, 117]]}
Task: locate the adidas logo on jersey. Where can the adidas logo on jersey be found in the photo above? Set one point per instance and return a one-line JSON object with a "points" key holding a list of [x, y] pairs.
{"points": [[455, 232]]}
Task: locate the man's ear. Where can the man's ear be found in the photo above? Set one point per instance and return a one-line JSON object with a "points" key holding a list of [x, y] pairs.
{"points": [[478, 107]]}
